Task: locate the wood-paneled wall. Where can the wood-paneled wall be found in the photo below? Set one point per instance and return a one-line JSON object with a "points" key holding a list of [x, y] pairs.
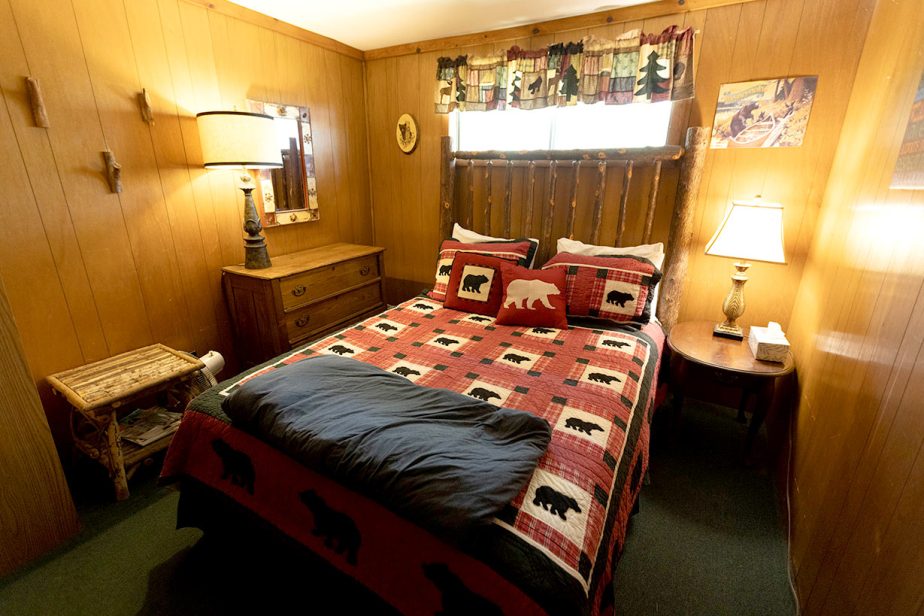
{"points": [[91, 273], [36, 511], [858, 335], [750, 40]]}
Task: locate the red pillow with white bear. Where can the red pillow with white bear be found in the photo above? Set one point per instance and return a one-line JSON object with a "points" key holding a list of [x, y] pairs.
{"points": [[475, 284], [533, 298]]}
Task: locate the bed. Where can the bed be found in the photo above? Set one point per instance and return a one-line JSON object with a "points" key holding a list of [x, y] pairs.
{"points": [[552, 550]]}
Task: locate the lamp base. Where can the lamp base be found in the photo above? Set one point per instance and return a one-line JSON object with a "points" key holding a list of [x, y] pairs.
{"points": [[255, 254], [724, 331], [733, 307]]}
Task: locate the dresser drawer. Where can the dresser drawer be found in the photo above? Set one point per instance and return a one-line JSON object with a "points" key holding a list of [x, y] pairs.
{"points": [[302, 323], [307, 287]]}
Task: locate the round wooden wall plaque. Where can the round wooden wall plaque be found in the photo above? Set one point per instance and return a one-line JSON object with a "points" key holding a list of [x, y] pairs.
{"points": [[406, 133]]}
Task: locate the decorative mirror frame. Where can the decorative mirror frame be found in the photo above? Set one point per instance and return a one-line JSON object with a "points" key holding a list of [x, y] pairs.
{"points": [[265, 194]]}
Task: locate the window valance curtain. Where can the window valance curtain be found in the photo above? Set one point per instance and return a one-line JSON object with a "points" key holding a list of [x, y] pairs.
{"points": [[633, 68]]}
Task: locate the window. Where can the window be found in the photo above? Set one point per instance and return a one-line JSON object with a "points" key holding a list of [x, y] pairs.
{"points": [[562, 128]]}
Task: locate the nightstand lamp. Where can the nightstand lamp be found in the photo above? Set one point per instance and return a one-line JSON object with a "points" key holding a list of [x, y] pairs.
{"points": [[751, 231], [242, 140]]}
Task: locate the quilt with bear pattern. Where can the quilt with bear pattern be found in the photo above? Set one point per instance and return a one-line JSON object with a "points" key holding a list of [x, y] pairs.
{"points": [[555, 543]]}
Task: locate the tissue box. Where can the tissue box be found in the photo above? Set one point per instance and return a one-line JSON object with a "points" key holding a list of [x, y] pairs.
{"points": [[768, 345]]}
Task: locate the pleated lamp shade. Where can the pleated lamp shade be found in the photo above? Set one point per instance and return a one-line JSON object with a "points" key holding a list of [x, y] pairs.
{"points": [[238, 140]]}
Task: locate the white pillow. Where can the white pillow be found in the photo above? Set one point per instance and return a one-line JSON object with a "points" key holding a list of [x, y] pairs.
{"points": [[462, 234], [652, 252]]}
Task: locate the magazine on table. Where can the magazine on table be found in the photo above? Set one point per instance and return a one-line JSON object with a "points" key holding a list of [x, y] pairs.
{"points": [[144, 426]]}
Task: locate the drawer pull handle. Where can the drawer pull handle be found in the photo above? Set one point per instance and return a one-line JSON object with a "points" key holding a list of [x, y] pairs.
{"points": [[299, 290], [364, 270], [302, 321]]}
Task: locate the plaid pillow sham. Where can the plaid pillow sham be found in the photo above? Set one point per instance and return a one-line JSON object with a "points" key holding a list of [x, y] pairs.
{"points": [[517, 251], [613, 287]]}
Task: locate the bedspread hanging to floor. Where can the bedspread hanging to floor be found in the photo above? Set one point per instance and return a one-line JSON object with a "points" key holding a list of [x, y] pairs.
{"points": [[552, 545]]}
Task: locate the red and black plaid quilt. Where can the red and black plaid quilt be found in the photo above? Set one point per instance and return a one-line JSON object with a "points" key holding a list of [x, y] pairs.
{"points": [[595, 387]]}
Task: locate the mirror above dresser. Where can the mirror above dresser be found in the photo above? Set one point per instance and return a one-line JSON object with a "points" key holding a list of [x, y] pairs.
{"points": [[289, 194]]}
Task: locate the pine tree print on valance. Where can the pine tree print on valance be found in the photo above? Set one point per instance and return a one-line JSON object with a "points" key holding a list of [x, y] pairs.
{"points": [[633, 68]]}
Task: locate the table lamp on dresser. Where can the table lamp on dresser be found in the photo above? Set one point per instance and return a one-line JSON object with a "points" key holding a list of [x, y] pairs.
{"points": [[750, 231], [242, 140]]}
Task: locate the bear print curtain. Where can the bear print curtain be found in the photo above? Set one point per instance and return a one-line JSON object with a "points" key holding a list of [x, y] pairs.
{"points": [[633, 68]]}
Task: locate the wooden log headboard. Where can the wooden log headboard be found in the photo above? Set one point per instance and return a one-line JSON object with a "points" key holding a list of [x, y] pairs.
{"points": [[458, 198]]}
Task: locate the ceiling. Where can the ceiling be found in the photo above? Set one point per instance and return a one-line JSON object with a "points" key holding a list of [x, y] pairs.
{"points": [[371, 24]]}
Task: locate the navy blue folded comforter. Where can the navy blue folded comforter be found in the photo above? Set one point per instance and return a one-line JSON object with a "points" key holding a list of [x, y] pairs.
{"points": [[442, 459]]}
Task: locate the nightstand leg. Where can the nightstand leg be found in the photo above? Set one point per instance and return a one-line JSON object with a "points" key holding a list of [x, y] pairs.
{"points": [[743, 404], [114, 459], [678, 382], [761, 407]]}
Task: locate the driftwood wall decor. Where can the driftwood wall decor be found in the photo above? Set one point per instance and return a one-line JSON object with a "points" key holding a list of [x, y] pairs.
{"points": [[113, 172], [39, 114], [147, 111]]}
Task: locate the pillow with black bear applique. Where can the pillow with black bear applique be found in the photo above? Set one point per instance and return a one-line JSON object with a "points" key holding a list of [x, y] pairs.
{"points": [[475, 284], [615, 288], [520, 252]]}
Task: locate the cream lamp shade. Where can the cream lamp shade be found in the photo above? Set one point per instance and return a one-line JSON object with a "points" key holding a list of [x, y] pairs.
{"points": [[242, 140], [751, 230], [238, 140]]}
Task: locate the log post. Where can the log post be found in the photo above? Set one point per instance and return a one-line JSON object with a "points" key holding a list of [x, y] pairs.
{"points": [[572, 203], [599, 197], [447, 184], [652, 203], [489, 197], [623, 201], [508, 196], [470, 202], [552, 184], [681, 233], [530, 188]]}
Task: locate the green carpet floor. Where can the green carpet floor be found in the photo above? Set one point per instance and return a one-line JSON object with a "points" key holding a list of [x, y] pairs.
{"points": [[708, 541]]}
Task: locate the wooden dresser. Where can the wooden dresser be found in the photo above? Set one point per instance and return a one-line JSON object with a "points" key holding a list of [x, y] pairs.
{"points": [[303, 296]]}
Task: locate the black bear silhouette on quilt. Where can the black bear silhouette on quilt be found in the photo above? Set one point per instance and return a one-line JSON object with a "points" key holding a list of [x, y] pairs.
{"points": [[483, 394], [458, 600], [236, 465], [337, 528], [555, 502], [587, 427], [516, 359]]}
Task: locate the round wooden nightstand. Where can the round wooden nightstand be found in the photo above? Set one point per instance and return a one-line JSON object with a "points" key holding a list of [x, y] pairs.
{"points": [[729, 362]]}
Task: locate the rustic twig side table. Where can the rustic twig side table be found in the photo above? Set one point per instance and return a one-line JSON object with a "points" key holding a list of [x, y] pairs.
{"points": [[96, 393]]}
